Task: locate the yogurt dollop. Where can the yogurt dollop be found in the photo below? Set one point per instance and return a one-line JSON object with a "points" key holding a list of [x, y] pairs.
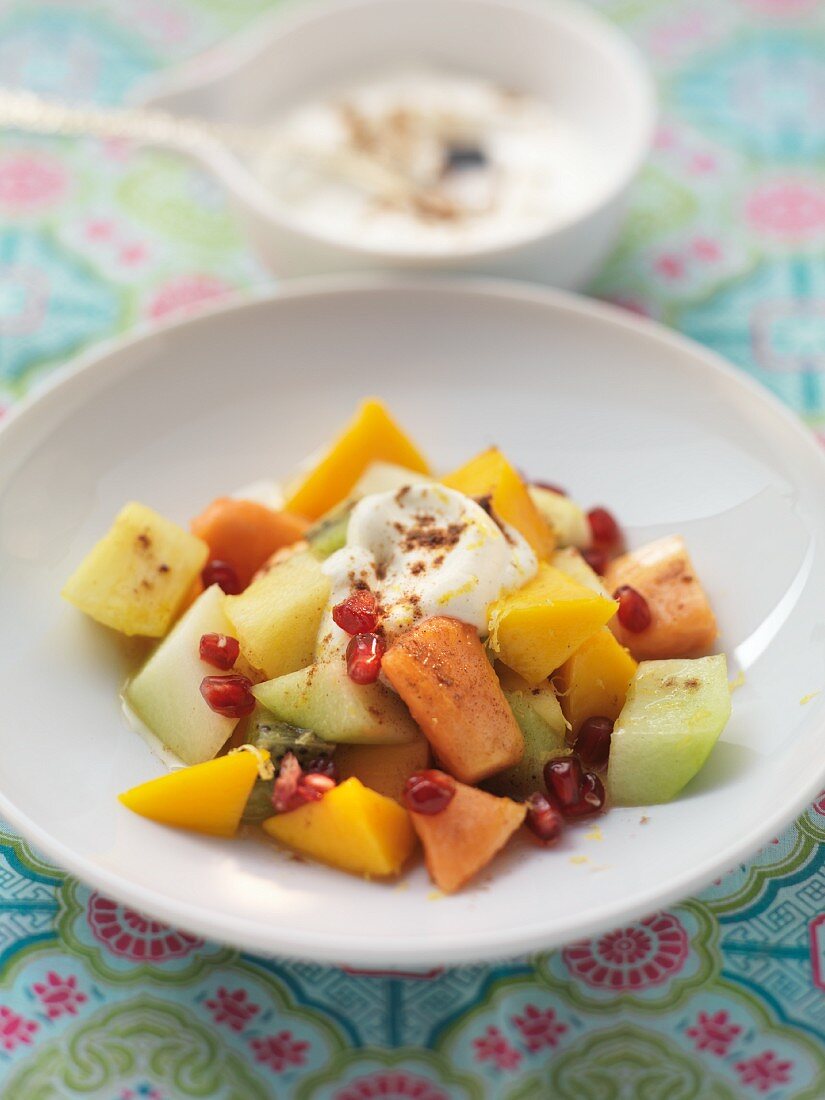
{"points": [[426, 550]]}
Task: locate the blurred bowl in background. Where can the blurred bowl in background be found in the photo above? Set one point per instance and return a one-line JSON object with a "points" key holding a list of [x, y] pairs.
{"points": [[555, 51]]}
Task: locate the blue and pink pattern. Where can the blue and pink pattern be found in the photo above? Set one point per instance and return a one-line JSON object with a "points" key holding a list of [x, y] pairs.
{"points": [[721, 997]]}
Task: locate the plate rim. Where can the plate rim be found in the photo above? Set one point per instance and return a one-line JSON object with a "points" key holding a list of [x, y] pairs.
{"points": [[361, 950]]}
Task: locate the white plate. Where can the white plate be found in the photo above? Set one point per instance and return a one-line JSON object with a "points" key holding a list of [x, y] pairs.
{"points": [[615, 409]]}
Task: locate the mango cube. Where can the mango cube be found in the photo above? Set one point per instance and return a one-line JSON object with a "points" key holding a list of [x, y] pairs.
{"points": [[140, 574], [208, 798], [276, 620], [352, 828], [490, 474], [371, 436], [594, 681], [536, 628]]}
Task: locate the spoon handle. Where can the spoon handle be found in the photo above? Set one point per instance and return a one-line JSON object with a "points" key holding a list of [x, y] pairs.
{"points": [[21, 110]]}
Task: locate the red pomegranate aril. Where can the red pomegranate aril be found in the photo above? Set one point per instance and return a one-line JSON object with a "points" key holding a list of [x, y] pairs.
{"points": [[364, 654], [591, 798], [223, 575], [285, 795], [593, 741], [604, 528], [563, 779], [634, 610], [219, 650], [358, 613], [597, 558], [543, 819], [428, 792], [230, 696], [315, 785]]}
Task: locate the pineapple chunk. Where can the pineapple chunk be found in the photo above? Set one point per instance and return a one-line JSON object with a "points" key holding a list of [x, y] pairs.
{"points": [[674, 714], [536, 628], [138, 577], [166, 695], [276, 620], [594, 681], [371, 435], [209, 798], [352, 828], [490, 474]]}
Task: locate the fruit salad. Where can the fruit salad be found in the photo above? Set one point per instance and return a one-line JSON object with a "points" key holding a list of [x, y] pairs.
{"points": [[379, 657]]}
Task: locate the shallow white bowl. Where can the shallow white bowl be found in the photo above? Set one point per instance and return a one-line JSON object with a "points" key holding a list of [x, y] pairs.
{"points": [[617, 410], [554, 49]]}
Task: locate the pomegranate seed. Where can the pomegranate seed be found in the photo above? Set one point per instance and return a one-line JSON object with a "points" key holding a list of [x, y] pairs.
{"points": [[563, 778], [315, 785], [597, 558], [550, 487], [428, 792], [591, 798], [285, 788], [364, 654], [358, 613], [593, 741], [222, 574], [604, 528], [323, 765], [230, 696], [634, 611], [219, 650], [543, 818]]}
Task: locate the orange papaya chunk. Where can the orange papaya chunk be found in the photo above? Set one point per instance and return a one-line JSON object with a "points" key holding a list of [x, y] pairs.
{"points": [[441, 672], [245, 534], [682, 621], [462, 838]]}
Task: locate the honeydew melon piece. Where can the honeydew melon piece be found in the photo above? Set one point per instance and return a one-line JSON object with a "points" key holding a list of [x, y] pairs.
{"points": [[674, 714], [543, 728], [322, 698], [165, 694], [570, 561], [276, 620], [564, 516]]}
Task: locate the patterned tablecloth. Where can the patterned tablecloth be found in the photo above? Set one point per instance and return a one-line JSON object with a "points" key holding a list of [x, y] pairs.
{"points": [[722, 996]]}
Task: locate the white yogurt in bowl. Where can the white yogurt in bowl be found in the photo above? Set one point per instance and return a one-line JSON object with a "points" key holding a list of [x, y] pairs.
{"points": [[425, 160]]}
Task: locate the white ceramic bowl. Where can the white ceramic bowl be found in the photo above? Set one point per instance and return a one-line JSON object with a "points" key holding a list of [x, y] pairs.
{"points": [[617, 410], [553, 49]]}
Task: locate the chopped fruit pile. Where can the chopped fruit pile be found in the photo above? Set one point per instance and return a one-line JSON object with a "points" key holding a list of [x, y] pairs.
{"points": [[392, 659]]}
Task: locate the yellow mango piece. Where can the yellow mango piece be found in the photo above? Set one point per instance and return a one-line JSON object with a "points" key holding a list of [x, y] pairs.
{"points": [[594, 681], [208, 798], [536, 628], [383, 768], [371, 436], [140, 575], [276, 619], [490, 474], [352, 828]]}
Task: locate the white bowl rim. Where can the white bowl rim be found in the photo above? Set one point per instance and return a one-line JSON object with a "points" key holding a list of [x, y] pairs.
{"points": [[222, 161], [464, 949]]}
